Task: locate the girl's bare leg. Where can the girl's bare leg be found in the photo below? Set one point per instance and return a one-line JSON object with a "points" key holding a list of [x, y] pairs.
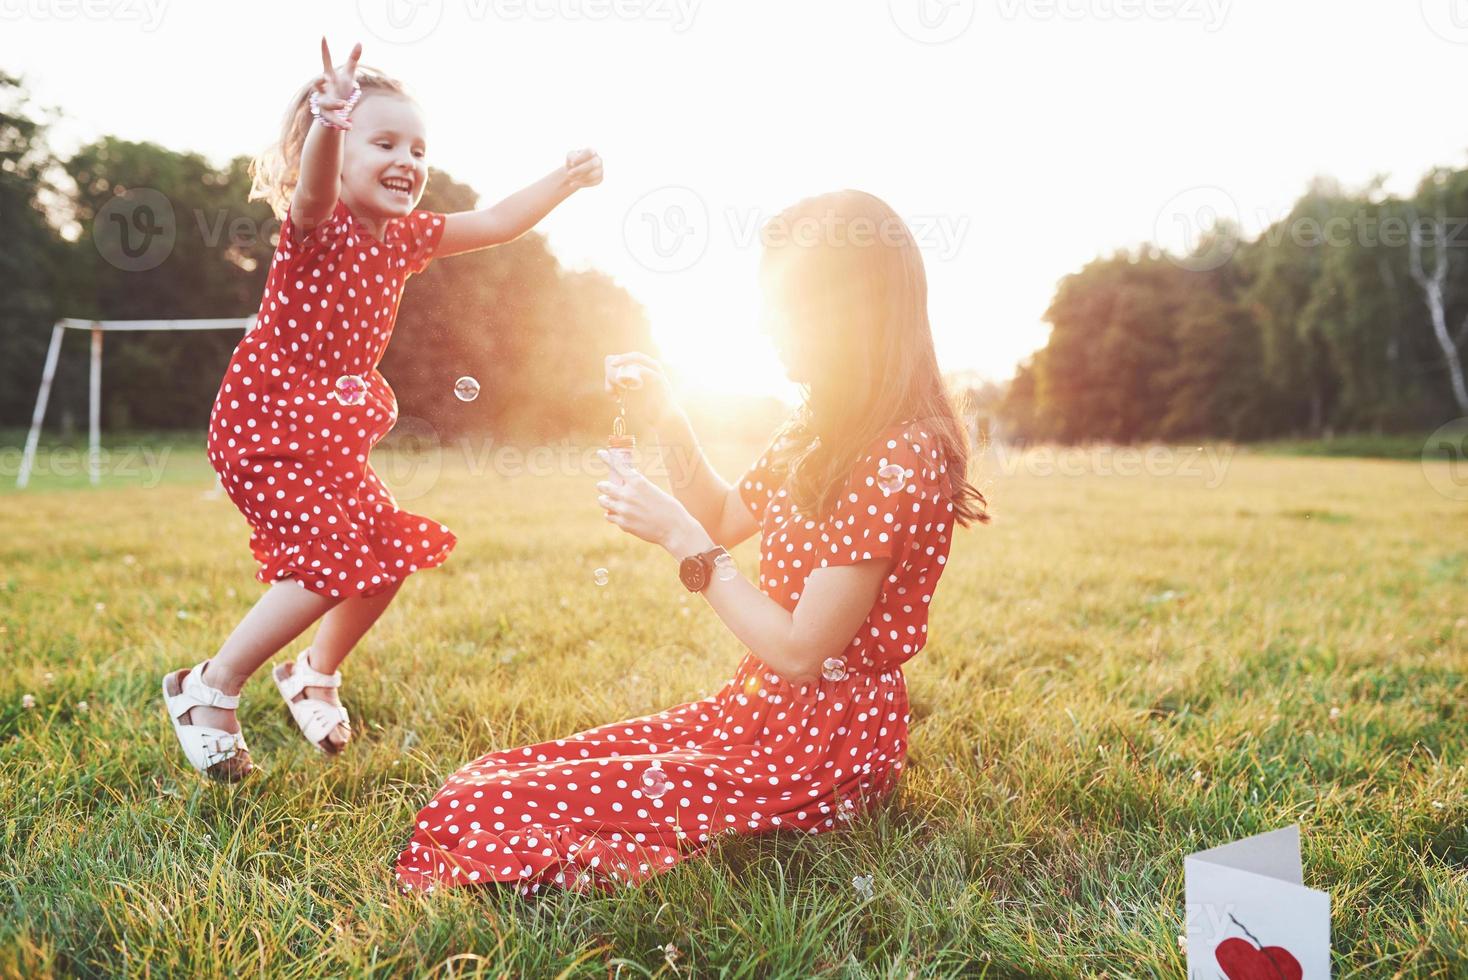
{"points": [[281, 615], [339, 632]]}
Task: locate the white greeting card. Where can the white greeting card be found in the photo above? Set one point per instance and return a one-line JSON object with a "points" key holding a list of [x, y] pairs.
{"points": [[1249, 914]]}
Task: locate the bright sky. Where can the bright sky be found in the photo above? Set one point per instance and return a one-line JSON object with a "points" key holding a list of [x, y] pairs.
{"points": [[1020, 138]]}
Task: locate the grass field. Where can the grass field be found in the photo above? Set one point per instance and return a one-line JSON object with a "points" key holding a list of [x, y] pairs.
{"points": [[1132, 663]]}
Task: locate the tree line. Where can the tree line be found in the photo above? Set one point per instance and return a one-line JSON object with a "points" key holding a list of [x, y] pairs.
{"points": [[1348, 314]]}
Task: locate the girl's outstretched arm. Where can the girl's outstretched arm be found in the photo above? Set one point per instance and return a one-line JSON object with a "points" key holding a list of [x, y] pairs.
{"points": [[506, 221], [321, 156]]}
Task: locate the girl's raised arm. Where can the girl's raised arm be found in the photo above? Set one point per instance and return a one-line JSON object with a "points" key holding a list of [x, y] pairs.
{"points": [[506, 221], [319, 183]]}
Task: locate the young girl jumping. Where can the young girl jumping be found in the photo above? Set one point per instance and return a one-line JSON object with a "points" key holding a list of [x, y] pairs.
{"points": [[302, 403]]}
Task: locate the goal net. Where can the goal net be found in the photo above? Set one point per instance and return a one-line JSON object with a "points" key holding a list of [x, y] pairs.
{"points": [[98, 329]]}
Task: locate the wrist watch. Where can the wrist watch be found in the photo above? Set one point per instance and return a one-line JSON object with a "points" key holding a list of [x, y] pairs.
{"points": [[696, 571]]}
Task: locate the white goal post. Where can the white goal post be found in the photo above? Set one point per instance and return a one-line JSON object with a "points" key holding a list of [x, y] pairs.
{"points": [[94, 403]]}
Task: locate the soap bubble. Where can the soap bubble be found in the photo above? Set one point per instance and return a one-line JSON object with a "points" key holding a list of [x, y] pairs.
{"points": [[466, 389], [751, 685], [725, 569], [351, 390], [833, 669], [891, 478], [601, 576], [655, 782]]}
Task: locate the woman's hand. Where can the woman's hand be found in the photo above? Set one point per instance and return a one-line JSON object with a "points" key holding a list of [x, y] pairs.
{"points": [[583, 168], [640, 379], [641, 508], [335, 87]]}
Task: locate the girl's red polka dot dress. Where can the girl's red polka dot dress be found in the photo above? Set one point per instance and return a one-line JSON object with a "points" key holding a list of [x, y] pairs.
{"points": [[616, 804], [302, 404]]}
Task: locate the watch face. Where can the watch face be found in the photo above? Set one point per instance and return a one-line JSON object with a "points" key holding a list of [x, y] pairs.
{"points": [[693, 574]]}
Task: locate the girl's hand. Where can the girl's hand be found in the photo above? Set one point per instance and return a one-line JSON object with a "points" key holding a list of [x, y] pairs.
{"points": [[334, 86], [641, 508], [583, 168]]}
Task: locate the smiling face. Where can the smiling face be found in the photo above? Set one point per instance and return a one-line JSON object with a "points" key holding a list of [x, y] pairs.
{"points": [[384, 157]]}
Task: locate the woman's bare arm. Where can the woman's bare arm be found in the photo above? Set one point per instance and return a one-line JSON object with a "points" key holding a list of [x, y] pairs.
{"points": [[712, 501], [835, 601]]}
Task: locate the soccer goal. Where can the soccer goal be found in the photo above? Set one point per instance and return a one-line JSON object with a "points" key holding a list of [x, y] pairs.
{"points": [[94, 404]]}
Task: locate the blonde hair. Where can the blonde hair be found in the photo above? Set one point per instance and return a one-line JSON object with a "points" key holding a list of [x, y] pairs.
{"points": [[275, 172], [878, 366]]}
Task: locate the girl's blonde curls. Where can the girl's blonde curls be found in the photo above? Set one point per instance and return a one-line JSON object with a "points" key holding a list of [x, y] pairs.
{"points": [[275, 172]]}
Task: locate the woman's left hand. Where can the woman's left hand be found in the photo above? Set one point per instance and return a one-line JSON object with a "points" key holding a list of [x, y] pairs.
{"points": [[642, 508]]}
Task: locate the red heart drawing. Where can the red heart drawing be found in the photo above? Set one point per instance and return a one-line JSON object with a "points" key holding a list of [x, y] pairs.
{"points": [[1242, 960]]}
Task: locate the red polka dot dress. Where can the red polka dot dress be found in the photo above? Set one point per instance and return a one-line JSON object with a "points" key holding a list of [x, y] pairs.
{"points": [[302, 404], [615, 804]]}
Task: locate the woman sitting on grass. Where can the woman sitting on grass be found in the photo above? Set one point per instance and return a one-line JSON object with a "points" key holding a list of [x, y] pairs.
{"points": [[855, 501]]}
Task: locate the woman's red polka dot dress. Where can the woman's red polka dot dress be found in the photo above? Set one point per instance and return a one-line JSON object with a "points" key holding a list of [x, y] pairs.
{"points": [[302, 404], [615, 804]]}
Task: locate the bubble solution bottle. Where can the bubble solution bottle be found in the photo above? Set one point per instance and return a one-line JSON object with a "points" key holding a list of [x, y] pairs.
{"points": [[622, 447]]}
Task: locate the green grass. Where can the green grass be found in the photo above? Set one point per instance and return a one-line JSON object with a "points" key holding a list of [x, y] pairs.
{"points": [[1367, 446], [1123, 670]]}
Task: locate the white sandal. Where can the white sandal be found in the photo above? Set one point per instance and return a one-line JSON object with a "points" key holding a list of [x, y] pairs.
{"points": [[314, 717], [212, 751]]}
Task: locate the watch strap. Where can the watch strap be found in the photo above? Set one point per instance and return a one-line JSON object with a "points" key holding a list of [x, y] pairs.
{"points": [[706, 561]]}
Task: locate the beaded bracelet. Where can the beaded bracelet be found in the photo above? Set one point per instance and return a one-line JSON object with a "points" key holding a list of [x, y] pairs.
{"points": [[346, 110]]}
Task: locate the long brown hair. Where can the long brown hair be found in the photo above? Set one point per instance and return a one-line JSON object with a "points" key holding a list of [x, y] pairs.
{"points": [[852, 280], [275, 172]]}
